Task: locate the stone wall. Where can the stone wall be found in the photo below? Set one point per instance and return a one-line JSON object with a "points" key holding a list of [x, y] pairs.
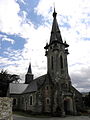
{"points": [[5, 108]]}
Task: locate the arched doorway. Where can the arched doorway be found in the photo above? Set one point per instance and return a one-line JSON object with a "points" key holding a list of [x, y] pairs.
{"points": [[68, 106]]}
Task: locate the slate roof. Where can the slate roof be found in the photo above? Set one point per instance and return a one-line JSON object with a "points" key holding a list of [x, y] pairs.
{"points": [[35, 84], [17, 88], [32, 87]]}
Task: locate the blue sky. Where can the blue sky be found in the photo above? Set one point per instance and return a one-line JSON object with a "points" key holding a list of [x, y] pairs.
{"points": [[25, 27]]}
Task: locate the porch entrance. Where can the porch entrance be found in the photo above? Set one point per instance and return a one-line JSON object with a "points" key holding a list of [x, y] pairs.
{"points": [[68, 106]]}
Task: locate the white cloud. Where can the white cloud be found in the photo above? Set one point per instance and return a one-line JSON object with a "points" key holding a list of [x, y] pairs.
{"points": [[34, 49], [23, 1], [12, 23], [81, 78], [8, 39], [9, 19], [5, 38]]}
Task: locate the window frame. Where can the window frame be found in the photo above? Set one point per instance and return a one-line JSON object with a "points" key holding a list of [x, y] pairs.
{"points": [[47, 87], [48, 101], [31, 100], [14, 101], [52, 62], [61, 62], [22, 99]]}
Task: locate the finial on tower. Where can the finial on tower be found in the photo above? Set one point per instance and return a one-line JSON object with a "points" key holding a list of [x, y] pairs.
{"points": [[54, 13], [29, 69]]}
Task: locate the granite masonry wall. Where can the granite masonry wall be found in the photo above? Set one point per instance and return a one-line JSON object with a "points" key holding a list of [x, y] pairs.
{"points": [[6, 108]]}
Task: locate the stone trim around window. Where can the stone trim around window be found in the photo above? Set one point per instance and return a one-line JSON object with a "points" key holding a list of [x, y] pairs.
{"points": [[48, 101], [31, 100]]}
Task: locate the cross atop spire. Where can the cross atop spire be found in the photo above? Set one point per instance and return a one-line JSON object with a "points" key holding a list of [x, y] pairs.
{"points": [[54, 13], [29, 69]]}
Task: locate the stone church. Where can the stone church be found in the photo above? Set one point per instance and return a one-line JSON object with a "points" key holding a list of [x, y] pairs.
{"points": [[53, 92]]}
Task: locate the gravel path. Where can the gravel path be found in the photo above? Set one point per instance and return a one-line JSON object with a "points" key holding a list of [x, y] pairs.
{"points": [[16, 117]]}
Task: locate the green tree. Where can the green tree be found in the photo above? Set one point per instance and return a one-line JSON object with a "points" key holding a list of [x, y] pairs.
{"points": [[5, 79]]}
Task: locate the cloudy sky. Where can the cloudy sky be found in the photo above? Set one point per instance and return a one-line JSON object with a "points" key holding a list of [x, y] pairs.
{"points": [[25, 27]]}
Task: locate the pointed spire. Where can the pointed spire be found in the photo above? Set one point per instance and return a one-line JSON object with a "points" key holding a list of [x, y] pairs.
{"points": [[55, 32], [29, 69], [29, 75]]}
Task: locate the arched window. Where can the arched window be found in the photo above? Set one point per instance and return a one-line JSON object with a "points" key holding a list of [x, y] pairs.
{"points": [[47, 87], [47, 101], [65, 61], [14, 101], [31, 100], [52, 62], [22, 100], [61, 62]]}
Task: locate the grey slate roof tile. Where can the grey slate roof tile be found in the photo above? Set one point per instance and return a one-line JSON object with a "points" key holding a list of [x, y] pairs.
{"points": [[32, 87], [35, 84], [17, 88]]}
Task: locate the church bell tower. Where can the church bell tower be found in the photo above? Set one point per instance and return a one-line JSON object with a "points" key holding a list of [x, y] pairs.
{"points": [[29, 75], [56, 52]]}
